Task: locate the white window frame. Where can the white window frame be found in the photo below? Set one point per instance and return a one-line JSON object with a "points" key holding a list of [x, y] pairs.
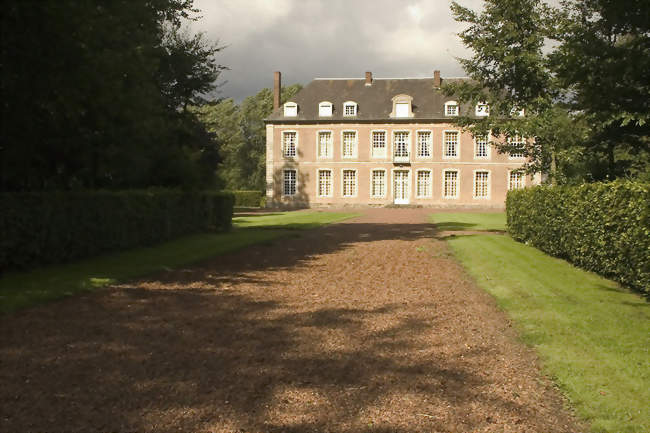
{"points": [[444, 144], [392, 140], [482, 114], [372, 170], [325, 104], [372, 148], [523, 180], [284, 156], [289, 105], [350, 104], [489, 184], [355, 152], [523, 142], [318, 144], [417, 144], [451, 103], [455, 197], [283, 182], [402, 99], [417, 174], [318, 171], [356, 182], [488, 137], [392, 181]]}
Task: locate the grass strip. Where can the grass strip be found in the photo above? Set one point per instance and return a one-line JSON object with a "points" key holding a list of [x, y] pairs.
{"points": [[23, 289], [493, 221]]}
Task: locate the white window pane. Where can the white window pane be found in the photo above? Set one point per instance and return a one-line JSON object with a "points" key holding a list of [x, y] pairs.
{"points": [[401, 109], [289, 187], [379, 143], [290, 110]]}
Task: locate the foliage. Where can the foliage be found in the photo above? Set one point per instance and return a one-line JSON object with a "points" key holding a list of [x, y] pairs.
{"points": [[592, 337], [23, 289], [242, 134], [603, 227], [247, 198], [94, 93], [578, 71], [469, 221], [292, 220], [53, 227]]}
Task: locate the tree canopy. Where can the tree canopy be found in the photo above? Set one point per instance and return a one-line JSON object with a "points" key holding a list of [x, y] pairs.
{"points": [[94, 95], [580, 72]]}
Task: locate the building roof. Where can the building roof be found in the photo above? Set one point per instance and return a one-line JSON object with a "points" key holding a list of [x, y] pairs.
{"points": [[374, 102]]}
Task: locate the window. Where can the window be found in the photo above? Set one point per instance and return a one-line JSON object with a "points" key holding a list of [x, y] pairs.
{"points": [[451, 108], [515, 180], [325, 109], [401, 143], [349, 108], [349, 183], [289, 144], [481, 146], [378, 186], [378, 144], [290, 109], [424, 183], [289, 187], [481, 184], [325, 144], [349, 144], [519, 143], [450, 184], [482, 109], [424, 144], [402, 106], [324, 183], [402, 109], [451, 144]]}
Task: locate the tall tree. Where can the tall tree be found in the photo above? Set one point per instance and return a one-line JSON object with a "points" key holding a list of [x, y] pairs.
{"points": [[89, 96]]}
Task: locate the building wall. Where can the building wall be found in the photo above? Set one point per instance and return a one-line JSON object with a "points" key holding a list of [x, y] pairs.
{"points": [[307, 163]]}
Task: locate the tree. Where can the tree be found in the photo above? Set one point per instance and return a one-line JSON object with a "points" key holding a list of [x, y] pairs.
{"points": [[90, 94], [568, 112], [603, 63]]}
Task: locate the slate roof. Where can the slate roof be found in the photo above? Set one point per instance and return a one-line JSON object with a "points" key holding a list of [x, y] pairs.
{"points": [[374, 102]]}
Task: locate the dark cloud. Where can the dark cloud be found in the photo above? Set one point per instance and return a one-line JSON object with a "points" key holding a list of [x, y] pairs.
{"points": [[337, 38]]}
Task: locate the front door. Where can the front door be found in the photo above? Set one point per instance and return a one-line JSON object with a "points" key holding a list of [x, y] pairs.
{"points": [[401, 186]]}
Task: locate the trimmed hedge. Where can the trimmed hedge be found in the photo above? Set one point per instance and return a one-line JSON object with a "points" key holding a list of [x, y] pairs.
{"points": [[53, 227], [247, 198], [602, 227]]}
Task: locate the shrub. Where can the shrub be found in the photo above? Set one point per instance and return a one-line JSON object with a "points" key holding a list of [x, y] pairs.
{"points": [[52, 227], [247, 198], [602, 227]]}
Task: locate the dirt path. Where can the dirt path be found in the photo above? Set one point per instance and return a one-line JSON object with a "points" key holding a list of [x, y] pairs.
{"points": [[367, 325]]}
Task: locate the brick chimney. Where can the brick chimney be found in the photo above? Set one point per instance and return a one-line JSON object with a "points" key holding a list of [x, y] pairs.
{"points": [[436, 79], [368, 78], [277, 87]]}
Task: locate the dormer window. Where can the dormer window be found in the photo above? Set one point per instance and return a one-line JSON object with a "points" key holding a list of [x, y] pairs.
{"points": [[402, 106], [451, 108], [482, 109], [350, 108], [290, 109], [325, 109]]}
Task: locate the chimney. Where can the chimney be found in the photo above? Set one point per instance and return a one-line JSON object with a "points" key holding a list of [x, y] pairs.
{"points": [[277, 87], [436, 79], [368, 78]]}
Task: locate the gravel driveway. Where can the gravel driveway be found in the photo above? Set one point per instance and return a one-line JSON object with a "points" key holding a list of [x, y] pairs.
{"points": [[363, 326]]}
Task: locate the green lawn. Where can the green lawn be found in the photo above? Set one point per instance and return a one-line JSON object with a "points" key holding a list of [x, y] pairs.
{"points": [[24, 289], [593, 337], [470, 221]]}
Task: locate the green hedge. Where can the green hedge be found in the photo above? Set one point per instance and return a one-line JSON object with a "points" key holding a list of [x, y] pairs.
{"points": [[602, 227], [247, 198], [53, 227]]}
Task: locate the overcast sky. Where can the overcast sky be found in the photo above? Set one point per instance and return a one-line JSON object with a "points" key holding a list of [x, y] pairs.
{"points": [[305, 39]]}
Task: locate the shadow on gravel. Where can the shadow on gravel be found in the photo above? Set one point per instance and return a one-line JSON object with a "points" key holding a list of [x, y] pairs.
{"points": [[187, 352]]}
